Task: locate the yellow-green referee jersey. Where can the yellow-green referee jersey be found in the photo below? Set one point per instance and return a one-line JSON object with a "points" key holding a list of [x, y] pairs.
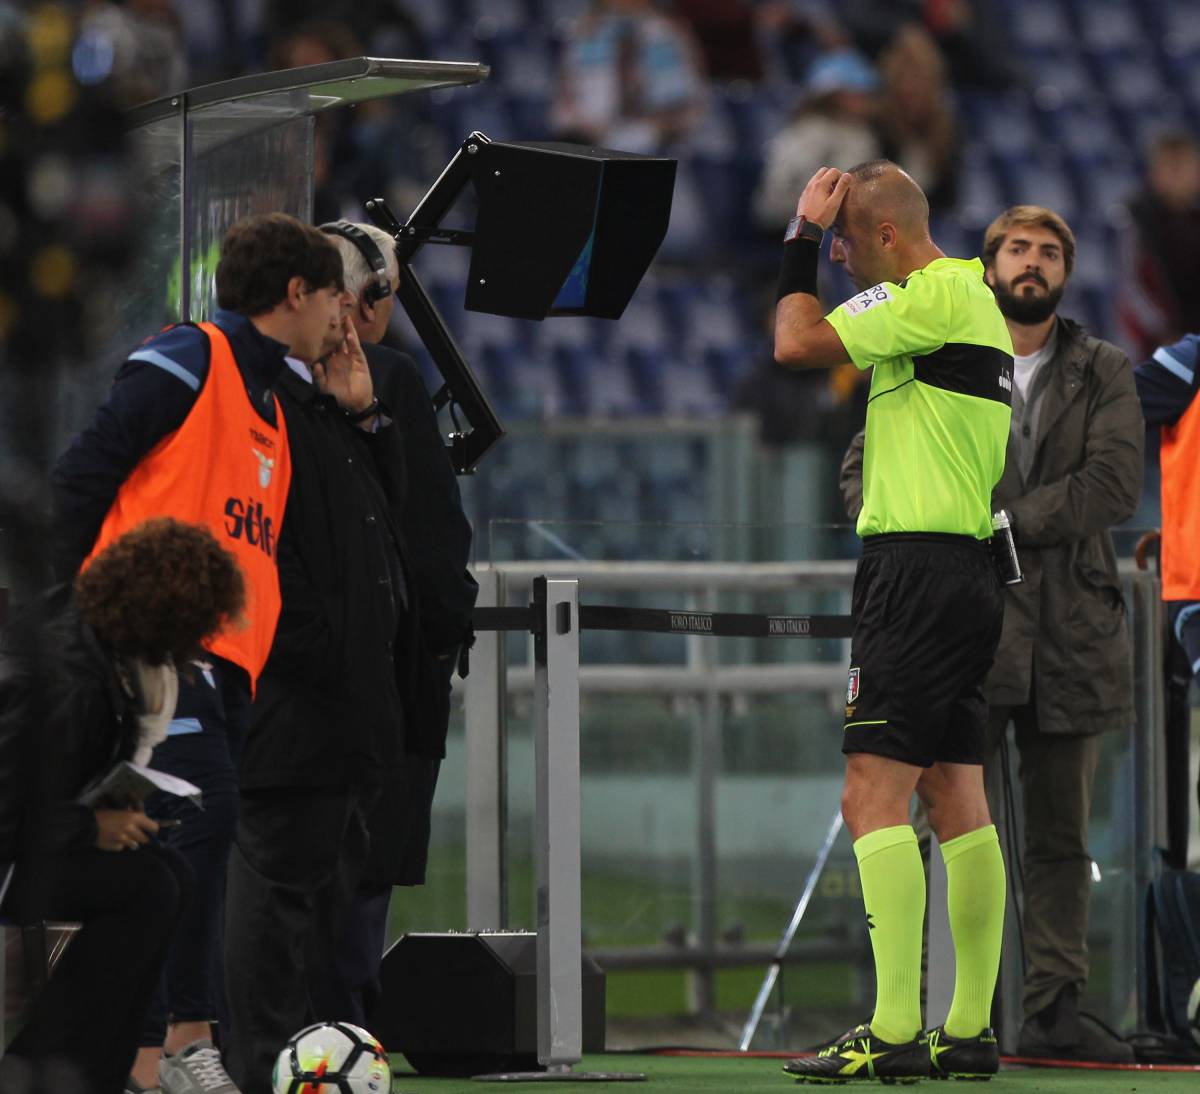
{"points": [[941, 392]]}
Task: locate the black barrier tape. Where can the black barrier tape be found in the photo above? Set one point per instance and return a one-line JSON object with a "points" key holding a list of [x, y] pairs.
{"points": [[665, 621]]}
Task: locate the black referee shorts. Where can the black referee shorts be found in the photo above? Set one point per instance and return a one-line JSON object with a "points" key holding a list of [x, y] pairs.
{"points": [[927, 615]]}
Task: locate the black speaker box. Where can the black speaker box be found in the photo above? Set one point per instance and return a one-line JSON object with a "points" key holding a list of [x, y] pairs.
{"points": [[564, 229], [466, 1004]]}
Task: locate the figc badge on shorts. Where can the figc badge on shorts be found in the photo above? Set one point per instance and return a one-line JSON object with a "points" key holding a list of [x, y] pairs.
{"points": [[852, 685]]}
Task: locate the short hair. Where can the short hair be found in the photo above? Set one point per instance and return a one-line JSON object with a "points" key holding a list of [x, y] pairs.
{"points": [[158, 591], [261, 254], [1028, 216], [897, 194], [356, 271]]}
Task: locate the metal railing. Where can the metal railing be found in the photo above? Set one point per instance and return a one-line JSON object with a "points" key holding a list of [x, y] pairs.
{"points": [[698, 587]]}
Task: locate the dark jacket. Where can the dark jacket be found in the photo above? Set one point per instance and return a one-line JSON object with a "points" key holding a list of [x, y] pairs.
{"points": [[437, 535], [437, 538], [64, 721], [328, 711], [1065, 642]]}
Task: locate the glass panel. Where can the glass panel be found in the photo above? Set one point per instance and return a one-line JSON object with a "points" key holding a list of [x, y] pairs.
{"points": [[237, 173]]}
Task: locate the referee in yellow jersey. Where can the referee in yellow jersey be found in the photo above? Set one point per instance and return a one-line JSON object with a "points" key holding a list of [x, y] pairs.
{"points": [[927, 602]]}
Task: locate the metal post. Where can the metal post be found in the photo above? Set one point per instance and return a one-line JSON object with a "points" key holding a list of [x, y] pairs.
{"points": [[810, 885], [702, 652], [1149, 754], [1012, 960], [557, 829], [185, 213], [487, 903]]}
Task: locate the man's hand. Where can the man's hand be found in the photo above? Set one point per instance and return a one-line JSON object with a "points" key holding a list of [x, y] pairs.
{"points": [[123, 829], [823, 197], [344, 373]]}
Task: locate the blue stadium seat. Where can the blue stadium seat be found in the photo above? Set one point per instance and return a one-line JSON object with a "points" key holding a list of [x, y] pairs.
{"points": [[435, 16], [1009, 128], [608, 390], [530, 115], [1037, 23], [644, 369], [688, 390], [488, 18], [1110, 27], [1086, 132], [571, 364], [981, 192], [522, 62], [1059, 78], [1041, 180], [727, 367], [1133, 81]]}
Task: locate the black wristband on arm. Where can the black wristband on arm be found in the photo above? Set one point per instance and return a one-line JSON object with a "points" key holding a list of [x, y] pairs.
{"points": [[798, 268]]}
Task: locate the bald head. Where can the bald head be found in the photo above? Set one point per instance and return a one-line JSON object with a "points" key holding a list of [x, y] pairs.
{"points": [[882, 229], [883, 192]]}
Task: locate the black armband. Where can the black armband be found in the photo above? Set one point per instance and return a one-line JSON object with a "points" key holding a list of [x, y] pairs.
{"points": [[798, 268]]}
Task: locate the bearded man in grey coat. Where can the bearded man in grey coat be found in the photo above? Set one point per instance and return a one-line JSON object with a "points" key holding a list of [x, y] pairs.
{"points": [[1063, 671]]}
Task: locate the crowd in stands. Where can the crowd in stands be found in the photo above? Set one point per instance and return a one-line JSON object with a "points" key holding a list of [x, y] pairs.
{"points": [[1083, 107]]}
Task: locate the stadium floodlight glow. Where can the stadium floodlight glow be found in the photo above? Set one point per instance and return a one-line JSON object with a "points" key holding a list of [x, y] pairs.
{"points": [[561, 229]]}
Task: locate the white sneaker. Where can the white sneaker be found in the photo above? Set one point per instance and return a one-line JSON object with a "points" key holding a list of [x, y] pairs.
{"points": [[196, 1069]]}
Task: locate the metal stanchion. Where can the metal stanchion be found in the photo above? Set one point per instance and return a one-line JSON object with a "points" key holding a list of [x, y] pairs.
{"points": [[486, 766], [557, 839]]}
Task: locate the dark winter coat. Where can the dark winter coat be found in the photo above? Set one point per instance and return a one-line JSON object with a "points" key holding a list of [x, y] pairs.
{"points": [[328, 710], [437, 539], [65, 720]]}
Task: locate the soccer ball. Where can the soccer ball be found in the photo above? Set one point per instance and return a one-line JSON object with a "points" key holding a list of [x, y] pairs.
{"points": [[1193, 1012], [332, 1058]]}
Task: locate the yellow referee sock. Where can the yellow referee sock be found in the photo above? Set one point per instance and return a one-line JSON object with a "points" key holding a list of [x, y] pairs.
{"points": [[893, 885], [975, 901]]}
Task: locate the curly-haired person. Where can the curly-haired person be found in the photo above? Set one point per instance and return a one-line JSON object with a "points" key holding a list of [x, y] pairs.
{"points": [[87, 680]]}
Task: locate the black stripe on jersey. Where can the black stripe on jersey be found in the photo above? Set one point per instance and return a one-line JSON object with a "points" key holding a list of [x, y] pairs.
{"points": [[982, 371]]}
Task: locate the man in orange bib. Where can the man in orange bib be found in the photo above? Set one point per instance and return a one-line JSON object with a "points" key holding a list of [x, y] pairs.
{"points": [[191, 429], [1167, 385]]}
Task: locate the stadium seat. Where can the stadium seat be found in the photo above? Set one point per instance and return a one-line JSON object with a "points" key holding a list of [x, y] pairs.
{"points": [[435, 17], [688, 391], [1109, 27], [1036, 23]]}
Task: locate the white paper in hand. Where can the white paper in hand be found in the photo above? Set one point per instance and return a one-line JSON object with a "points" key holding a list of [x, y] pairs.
{"points": [[129, 780]]}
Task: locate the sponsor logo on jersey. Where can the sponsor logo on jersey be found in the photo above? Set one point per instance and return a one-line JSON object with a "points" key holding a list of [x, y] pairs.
{"points": [[877, 294], [245, 520]]}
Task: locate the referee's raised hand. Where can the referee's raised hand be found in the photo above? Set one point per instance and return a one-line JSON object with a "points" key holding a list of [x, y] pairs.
{"points": [[823, 196]]}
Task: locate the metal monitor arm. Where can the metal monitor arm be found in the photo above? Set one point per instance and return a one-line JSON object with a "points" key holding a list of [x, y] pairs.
{"points": [[459, 387]]}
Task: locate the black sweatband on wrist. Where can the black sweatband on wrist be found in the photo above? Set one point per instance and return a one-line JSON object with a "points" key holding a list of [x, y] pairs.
{"points": [[798, 268]]}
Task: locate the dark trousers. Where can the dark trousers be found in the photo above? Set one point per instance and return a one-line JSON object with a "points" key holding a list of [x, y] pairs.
{"points": [[296, 862], [1057, 773], [89, 1016], [1182, 658], [361, 951], [210, 721]]}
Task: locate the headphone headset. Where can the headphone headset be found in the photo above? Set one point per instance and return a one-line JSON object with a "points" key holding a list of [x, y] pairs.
{"points": [[381, 288]]}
